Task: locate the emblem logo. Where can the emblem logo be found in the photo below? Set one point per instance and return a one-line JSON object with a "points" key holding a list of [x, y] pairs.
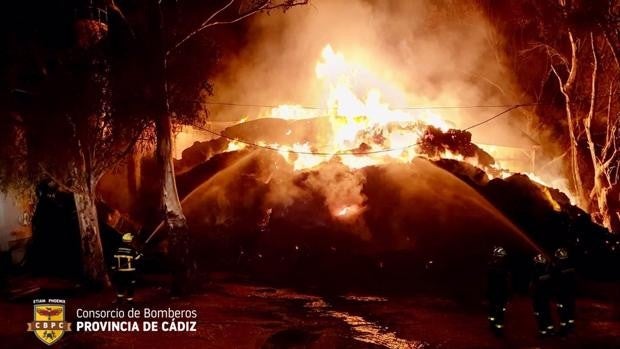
{"points": [[49, 320]]}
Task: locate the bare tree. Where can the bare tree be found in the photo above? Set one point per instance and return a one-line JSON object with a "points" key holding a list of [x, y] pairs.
{"points": [[593, 129], [226, 13], [566, 87], [574, 45], [605, 158]]}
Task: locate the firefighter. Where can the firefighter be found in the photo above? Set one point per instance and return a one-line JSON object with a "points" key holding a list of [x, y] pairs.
{"points": [[565, 289], [541, 295], [498, 288], [124, 266]]}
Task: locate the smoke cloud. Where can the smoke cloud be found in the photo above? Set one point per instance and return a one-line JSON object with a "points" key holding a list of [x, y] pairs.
{"points": [[416, 53]]}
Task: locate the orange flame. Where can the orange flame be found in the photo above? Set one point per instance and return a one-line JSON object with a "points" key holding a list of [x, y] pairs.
{"points": [[365, 131]]}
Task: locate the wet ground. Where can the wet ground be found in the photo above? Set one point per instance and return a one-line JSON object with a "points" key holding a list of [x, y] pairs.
{"points": [[242, 315]]}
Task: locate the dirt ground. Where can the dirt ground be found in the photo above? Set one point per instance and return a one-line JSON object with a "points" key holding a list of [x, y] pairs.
{"points": [[245, 315]]}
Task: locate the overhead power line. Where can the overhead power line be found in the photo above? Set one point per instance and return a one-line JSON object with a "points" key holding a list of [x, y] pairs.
{"points": [[492, 117], [508, 108], [411, 107], [346, 152]]}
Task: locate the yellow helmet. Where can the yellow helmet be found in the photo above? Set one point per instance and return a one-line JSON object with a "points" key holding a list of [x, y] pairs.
{"points": [[540, 259], [561, 253], [128, 237]]}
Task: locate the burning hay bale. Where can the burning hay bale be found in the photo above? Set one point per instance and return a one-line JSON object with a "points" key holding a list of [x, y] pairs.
{"points": [[199, 153], [192, 178], [280, 131], [468, 173], [358, 190], [332, 223], [435, 143], [261, 214], [255, 210], [545, 214]]}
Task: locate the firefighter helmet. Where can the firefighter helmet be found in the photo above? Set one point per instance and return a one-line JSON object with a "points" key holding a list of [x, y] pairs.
{"points": [[561, 253], [499, 252], [540, 259], [128, 237]]}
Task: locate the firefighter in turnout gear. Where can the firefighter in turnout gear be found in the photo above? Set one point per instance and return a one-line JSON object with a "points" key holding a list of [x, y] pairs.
{"points": [[498, 289], [125, 260], [565, 289], [541, 295]]}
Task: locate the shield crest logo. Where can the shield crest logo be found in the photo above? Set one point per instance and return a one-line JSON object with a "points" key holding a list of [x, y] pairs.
{"points": [[49, 322]]}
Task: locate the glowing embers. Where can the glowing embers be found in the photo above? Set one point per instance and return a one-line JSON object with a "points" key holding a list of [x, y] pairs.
{"points": [[234, 146], [347, 211]]}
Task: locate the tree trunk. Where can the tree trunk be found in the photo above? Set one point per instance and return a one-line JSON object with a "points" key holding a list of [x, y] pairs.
{"points": [[566, 88], [574, 154], [170, 196], [598, 204], [182, 259], [93, 260], [604, 212]]}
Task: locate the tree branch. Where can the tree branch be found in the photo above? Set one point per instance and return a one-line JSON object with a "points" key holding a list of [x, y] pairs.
{"points": [[267, 6], [609, 128], [216, 13], [612, 49], [574, 161], [587, 124], [115, 158], [551, 52], [57, 181], [572, 74]]}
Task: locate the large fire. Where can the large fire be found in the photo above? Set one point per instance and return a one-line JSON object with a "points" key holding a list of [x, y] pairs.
{"points": [[363, 129]]}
